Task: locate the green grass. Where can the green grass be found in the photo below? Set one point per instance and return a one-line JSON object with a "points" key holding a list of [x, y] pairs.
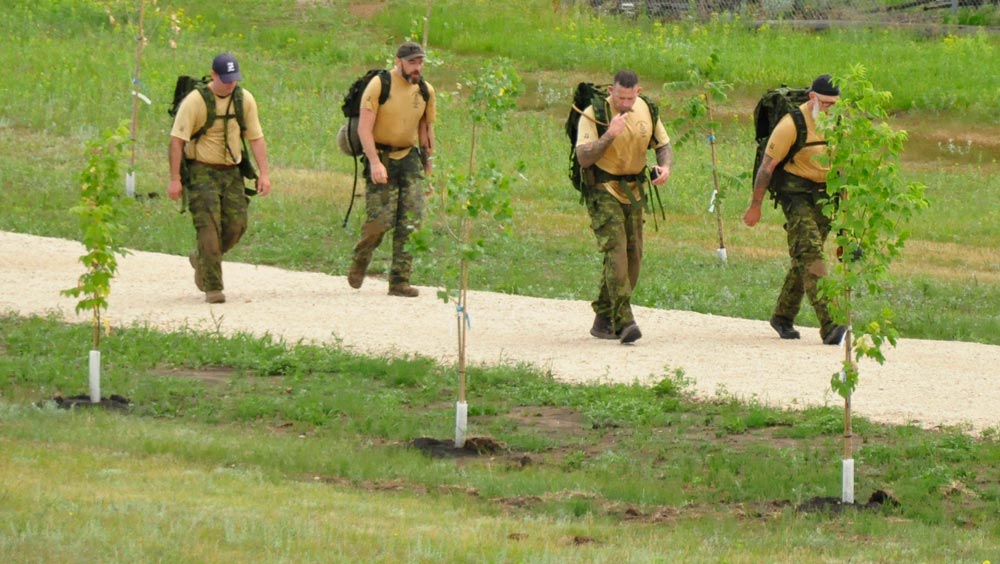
{"points": [[270, 451], [250, 449]]}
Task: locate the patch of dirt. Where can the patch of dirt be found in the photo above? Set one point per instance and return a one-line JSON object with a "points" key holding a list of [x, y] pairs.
{"points": [[214, 375], [923, 382], [547, 420], [485, 449], [879, 500], [366, 10], [114, 402], [474, 446]]}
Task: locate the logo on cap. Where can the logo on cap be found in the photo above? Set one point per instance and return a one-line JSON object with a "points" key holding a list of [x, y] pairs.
{"points": [[227, 68]]}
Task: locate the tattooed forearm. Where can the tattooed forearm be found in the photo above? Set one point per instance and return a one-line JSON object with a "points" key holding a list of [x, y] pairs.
{"points": [[665, 156], [763, 180], [592, 152]]}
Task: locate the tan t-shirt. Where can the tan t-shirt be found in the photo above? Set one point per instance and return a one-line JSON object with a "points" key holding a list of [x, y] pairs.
{"points": [[803, 163], [210, 146], [397, 121], [627, 153]]}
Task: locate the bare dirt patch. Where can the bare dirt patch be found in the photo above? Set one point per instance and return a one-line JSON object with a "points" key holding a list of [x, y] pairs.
{"points": [[215, 375], [114, 402], [366, 10]]}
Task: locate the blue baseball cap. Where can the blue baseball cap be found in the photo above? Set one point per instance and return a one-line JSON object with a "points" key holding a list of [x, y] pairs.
{"points": [[227, 68]]}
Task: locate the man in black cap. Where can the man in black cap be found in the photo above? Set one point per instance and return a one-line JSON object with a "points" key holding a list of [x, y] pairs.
{"points": [[213, 150], [800, 185], [397, 137]]}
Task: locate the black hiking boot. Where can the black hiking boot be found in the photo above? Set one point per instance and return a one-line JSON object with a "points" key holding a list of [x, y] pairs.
{"points": [[630, 333], [835, 335], [784, 328], [602, 328]]}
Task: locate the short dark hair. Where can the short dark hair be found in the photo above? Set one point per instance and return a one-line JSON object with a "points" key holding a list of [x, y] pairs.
{"points": [[626, 79]]}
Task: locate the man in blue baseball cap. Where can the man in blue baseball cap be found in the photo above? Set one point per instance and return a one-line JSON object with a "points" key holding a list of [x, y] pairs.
{"points": [[207, 136]]}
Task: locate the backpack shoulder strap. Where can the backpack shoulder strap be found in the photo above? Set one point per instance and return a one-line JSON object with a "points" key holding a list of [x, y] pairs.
{"points": [[238, 107], [654, 109], [601, 111], [209, 98], [386, 79], [800, 132], [424, 91], [654, 114]]}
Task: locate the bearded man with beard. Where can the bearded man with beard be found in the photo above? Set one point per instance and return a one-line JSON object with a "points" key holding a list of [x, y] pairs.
{"points": [[799, 186], [397, 137]]}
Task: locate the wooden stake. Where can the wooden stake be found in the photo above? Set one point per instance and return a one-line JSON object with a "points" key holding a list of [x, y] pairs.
{"points": [[463, 291], [715, 176], [463, 311], [848, 432], [140, 44], [427, 23]]}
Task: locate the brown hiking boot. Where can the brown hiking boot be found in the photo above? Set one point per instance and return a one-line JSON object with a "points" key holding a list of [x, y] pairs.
{"points": [[403, 290], [215, 297], [356, 275], [602, 328], [199, 281]]}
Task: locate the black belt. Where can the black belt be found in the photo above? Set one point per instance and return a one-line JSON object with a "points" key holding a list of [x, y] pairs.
{"points": [[388, 148], [601, 176], [802, 183], [217, 166]]}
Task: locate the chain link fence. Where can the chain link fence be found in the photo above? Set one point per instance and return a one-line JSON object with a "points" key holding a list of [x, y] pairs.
{"points": [[974, 12]]}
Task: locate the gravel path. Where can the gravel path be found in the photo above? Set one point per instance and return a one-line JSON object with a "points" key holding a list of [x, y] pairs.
{"points": [[929, 383]]}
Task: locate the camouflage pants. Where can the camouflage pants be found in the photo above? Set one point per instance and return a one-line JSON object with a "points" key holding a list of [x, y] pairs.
{"points": [[618, 228], [807, 229], [218, 208], [398, 206]]}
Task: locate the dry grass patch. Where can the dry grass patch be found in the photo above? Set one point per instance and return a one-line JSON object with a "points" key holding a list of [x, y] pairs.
{"points": [[949, 261]]}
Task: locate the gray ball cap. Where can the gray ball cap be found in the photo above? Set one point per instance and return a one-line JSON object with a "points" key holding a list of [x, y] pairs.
{"points": [[409, 51]]}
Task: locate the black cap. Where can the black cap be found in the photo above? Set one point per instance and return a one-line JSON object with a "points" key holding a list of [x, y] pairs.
{"points": [[824, 85], [409, 51], [227, 68]]}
